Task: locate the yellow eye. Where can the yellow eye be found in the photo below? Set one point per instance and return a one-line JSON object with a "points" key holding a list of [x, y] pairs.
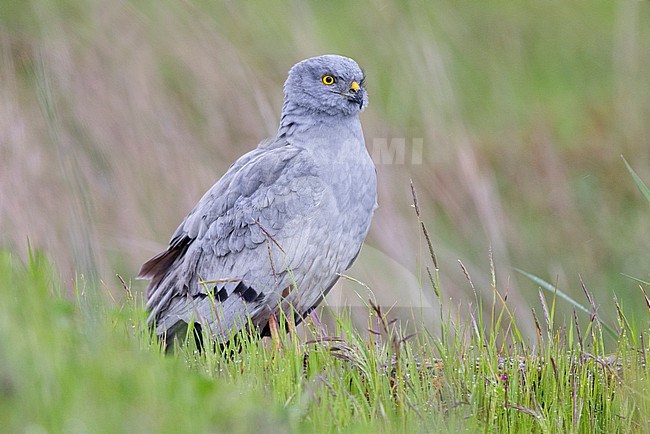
{"points": [[328, 80]]}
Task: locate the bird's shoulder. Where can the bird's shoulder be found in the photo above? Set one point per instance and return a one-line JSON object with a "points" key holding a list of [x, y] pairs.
{"points": [[255, 199]]}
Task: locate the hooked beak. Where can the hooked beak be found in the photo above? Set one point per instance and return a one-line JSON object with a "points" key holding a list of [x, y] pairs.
{"points": [[355, 94]]}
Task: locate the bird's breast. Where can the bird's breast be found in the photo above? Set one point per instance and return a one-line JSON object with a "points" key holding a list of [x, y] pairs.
{"points": [[345, 171]]}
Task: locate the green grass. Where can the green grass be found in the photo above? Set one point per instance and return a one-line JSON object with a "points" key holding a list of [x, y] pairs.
{"points": [[89, 365]]}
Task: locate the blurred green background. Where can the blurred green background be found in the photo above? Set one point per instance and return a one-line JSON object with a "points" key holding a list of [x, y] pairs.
{"points": [[115, 117]]}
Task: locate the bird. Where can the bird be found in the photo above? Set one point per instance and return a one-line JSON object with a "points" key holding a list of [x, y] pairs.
{"points": [[275, 232]]}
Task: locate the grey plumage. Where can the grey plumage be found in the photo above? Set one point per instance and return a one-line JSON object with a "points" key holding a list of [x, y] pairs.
{"points": [[277, 229]]}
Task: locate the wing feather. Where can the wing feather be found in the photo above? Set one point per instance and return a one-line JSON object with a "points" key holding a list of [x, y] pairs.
{"points": [[234, 233]]}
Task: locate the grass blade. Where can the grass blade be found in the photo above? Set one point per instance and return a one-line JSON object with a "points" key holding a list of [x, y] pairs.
{"points": [[556, 291], [553, 290], [638, 181]]}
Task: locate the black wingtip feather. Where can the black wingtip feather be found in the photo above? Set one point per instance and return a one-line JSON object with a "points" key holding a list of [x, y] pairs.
{"points": [[158, 266], [246, 292]]}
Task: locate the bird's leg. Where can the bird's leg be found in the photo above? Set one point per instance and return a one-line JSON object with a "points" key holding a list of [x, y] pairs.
{"points": [[275, 335], [291, 327], [293, 334]]}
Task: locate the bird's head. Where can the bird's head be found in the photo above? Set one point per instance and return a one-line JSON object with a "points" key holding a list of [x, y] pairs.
{"points": [[329, 84]]}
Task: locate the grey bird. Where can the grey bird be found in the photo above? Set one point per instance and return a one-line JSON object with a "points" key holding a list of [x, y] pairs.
{"points": [[286, 219]]}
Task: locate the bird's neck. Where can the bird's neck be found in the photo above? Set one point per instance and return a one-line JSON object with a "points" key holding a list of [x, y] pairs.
{"points": [[299, 124]]}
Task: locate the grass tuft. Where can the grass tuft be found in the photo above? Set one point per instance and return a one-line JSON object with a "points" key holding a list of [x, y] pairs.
{"points": [[92, 365]]}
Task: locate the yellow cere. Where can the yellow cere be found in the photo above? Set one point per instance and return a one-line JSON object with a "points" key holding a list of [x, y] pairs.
{"points": [[355, 86]]}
